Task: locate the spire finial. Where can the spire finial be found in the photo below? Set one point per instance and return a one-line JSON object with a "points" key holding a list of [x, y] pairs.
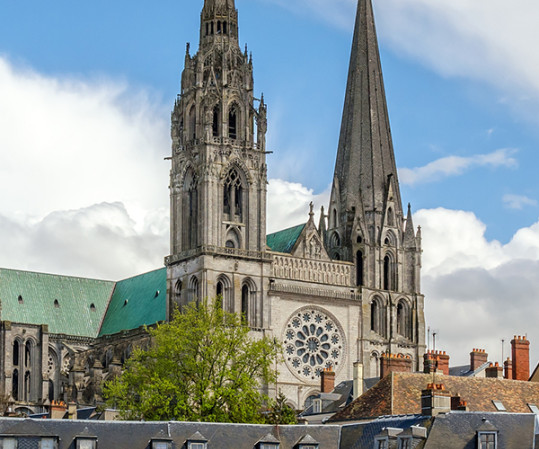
{"points": [[311, 210]]}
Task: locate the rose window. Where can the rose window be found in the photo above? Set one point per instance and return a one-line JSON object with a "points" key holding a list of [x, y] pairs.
{"points": [[312, 342]]}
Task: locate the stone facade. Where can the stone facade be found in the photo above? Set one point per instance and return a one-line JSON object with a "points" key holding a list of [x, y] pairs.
{"points": [[347, 290]]}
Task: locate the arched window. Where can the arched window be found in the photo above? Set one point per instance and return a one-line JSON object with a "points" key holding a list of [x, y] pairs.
{"points": [[390, 217], [28, 355], [233, 122], [190, 215], [211, 28], [16, 353], [51, 390], [192, 123], [178, 287], [233, 195], [404, 319], [233, 239], [389, 273], [359, 268], [224, 293], [335, 240], [375, 365], [15, 385], [378, 317], [207, 29], [334, 218], [224, 28], [245, 303], [215, 126], [195, 290], [218, 27], [27, 386]]}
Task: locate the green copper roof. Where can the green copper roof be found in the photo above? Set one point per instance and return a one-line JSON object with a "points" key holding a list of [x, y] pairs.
{"points": [[137, 301], [283, 241], [64, 303]]}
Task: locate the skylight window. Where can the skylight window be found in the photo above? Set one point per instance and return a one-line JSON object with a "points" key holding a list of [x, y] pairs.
{"points": [[499, 406], [534, 408]]}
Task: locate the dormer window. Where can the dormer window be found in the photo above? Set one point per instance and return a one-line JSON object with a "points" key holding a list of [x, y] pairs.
{"points": [[197, 441], [86, 443], [487, 440], [48, 443], [8, 443], [268, 442], [381, 443], [161, 444], [307, 442], [405, 442]]}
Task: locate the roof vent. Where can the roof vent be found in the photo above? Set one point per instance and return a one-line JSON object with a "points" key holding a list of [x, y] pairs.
{"points": [[21, 301], [56, 304], [126, 301], [92, 307], [157, 293]]}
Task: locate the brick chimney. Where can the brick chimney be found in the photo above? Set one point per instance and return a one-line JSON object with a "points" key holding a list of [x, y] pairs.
{"points": [[436, 361], [58, 410], [508, 365], [390, 363], [494, 371], [435, 399], [478, 357], [327, 380], [520, 350]]}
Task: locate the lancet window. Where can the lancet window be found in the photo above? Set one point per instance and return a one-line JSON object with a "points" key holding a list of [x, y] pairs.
{"points": [[378, 317], [233, 195], [404, 319]]}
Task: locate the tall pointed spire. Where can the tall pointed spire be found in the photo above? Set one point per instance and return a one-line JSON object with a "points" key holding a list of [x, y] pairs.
{"points": [[365, 161]]}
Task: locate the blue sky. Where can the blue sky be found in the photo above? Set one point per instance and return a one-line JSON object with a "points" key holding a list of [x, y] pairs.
{"points": [[86, 91]]}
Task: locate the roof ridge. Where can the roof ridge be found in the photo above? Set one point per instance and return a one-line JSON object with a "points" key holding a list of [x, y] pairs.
{"points": [[287, 229], [16, 270]]}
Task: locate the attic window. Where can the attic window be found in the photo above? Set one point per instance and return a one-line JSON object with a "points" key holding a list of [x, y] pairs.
{"points": [[534, 408], [161, 444], [157, 293], [86, 443], [405, 443], [56, 304], [8, 443], [92, 307], [125, 302], [381, 443], [499, 406], [487, 440], [21, 301]]}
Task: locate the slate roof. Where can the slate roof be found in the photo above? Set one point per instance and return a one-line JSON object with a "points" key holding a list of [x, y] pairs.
{"points": [[284, 241], [400, 393], [137, 301], [38, 291], [361, 435], [458, 430], [136, 435]]}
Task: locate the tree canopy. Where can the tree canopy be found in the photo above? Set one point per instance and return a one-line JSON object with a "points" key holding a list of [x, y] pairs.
{"points": [[201, 366]]}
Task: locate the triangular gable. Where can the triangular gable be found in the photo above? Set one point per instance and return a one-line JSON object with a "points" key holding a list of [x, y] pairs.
{"points": [[284, 241]]}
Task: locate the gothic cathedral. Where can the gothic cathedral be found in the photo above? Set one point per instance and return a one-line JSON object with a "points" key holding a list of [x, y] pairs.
{"points": [[336, 294]]}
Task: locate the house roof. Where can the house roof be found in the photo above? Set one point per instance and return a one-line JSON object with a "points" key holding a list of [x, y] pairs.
{"points": [[64, 303], [458, 430], [283, 241], [137, 301], [400, 393]]}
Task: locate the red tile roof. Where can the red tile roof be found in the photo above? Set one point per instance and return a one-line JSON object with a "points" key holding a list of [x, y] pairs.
{"points": [[400, 394]]}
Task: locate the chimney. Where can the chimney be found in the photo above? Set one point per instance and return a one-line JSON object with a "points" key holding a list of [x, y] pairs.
{"points": [[390, 363], [328, 380], [520, 349], [436, 362], [458, 404], [478, 357], [358, 380], [58, 410], [72, 410], [435, 399], [508, 365], [494, 371]]}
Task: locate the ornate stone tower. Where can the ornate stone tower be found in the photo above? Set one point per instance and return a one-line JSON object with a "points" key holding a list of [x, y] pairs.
{"points": [[218, 176], [367, 225]]}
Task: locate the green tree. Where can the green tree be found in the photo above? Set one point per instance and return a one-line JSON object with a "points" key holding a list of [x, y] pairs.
{"points": [[202, 366], [279, 412]]}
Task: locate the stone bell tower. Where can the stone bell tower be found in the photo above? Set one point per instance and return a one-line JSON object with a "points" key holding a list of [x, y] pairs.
{"points": [[367, 224], [218, 176]]}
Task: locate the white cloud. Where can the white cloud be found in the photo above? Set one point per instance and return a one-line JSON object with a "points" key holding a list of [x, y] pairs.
{"points": [[478, 291], [518, 201], [67, 143], [455, 165], [288, 204]]}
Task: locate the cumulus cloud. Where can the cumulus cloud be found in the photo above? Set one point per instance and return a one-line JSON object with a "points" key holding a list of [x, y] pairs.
{"points": [[518, 201], [288, 204], [100, 241], [456, 165], [478, 291]]}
